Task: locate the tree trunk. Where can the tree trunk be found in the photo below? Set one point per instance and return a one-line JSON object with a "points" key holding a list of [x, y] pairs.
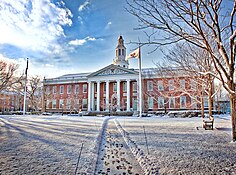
{"points": [[202, 102], [202, 107], [210, 99], [233, 117]]}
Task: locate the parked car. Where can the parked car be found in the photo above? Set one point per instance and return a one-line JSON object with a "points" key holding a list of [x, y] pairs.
{"points": [[47, 113]]}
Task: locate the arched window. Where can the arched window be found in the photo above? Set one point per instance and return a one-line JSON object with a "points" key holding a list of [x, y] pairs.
{"points": [[119, 52], [123, 51]]}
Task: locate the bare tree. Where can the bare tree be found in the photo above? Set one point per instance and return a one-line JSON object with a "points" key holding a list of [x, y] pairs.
{"points": [[7, 74], [169, 84], [46, 96], [198, 22], [34, 92], [196, 63]]}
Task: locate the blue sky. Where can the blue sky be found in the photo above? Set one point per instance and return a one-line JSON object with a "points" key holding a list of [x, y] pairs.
{"points": [[67, 36]]}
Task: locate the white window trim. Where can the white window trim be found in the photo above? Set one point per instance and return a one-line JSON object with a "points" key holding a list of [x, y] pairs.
{"points": [[185, 102], [150, 99], [182, 84], [54, 89], [160, 84], [76, 87], [169, 102], [171, 85], [124, 86], [114, 86], [54, 103], [68, 89], [62, 87], [149, 88], [135, 86], [86, 89], [163, 100]]}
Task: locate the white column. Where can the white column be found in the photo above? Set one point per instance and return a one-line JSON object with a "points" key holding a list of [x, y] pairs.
{"points": [[118, 95], [98, 95], [89, 96], [128, 95], [107, 95], [92, 96]]}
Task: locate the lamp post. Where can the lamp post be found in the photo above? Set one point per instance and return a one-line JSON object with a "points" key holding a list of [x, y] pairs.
{"points": [[26, 70], [109, 109], [62, 105]]}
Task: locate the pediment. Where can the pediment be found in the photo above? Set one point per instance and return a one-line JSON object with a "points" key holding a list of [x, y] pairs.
{"points": [[112, 70]]}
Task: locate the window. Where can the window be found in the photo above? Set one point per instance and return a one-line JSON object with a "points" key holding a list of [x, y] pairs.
{"points": [[84, 104], [61, 89], [205, 100], [95, 88], [119, 52], [193, 85], [76, 101], [84, 88], [182, 84], [134, 86], [47, 89], [76, 89], [54, 104], [68, 103], [160, 86], [48, 104], [104, 87], [69, 89], [150, 102], [194, 102], [182, 102], [114, 87], [124, 87], [161, 102], [54, 90], [149, 85], [134, 103], [123, 52], [61, 104], [171, 102], [171, 85]]}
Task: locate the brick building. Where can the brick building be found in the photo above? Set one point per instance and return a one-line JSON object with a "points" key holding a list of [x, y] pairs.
{"points": [[10, 101], [115, 87]]}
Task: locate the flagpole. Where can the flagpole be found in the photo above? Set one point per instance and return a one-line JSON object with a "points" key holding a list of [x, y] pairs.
{"points": [[24, 107], [140, 84]]}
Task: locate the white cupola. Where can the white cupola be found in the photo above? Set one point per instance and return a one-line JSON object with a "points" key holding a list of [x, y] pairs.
{"points": [[120, 54]]}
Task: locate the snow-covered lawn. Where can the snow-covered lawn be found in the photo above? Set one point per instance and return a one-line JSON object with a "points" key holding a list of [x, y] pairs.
{"points": [[48, 144], [182, 146], [51, 144]]}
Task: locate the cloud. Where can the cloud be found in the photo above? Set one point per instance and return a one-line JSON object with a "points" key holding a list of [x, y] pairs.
{"points": [[33, 25], [83, 6], [80, 42], [108, 25], [80, 20]]}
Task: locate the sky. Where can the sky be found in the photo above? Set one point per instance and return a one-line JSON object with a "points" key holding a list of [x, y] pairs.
{"points": [[67, 36]]}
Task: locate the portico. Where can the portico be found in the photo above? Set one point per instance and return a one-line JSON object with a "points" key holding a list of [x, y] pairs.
{"points": [[111, 91]]}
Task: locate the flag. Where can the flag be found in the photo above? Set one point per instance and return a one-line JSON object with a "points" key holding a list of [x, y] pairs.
{"points": [[134, 54]]}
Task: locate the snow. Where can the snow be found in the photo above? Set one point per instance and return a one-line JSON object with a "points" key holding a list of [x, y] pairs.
{"points": [[51, 145], [47, 144]]}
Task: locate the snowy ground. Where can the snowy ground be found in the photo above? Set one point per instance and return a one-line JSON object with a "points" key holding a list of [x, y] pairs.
{"points": [[51, 145], [182, 146], [48, 145]]}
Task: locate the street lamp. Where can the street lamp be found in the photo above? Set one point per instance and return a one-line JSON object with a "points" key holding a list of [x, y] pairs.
{"points": [[62, 105]]}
